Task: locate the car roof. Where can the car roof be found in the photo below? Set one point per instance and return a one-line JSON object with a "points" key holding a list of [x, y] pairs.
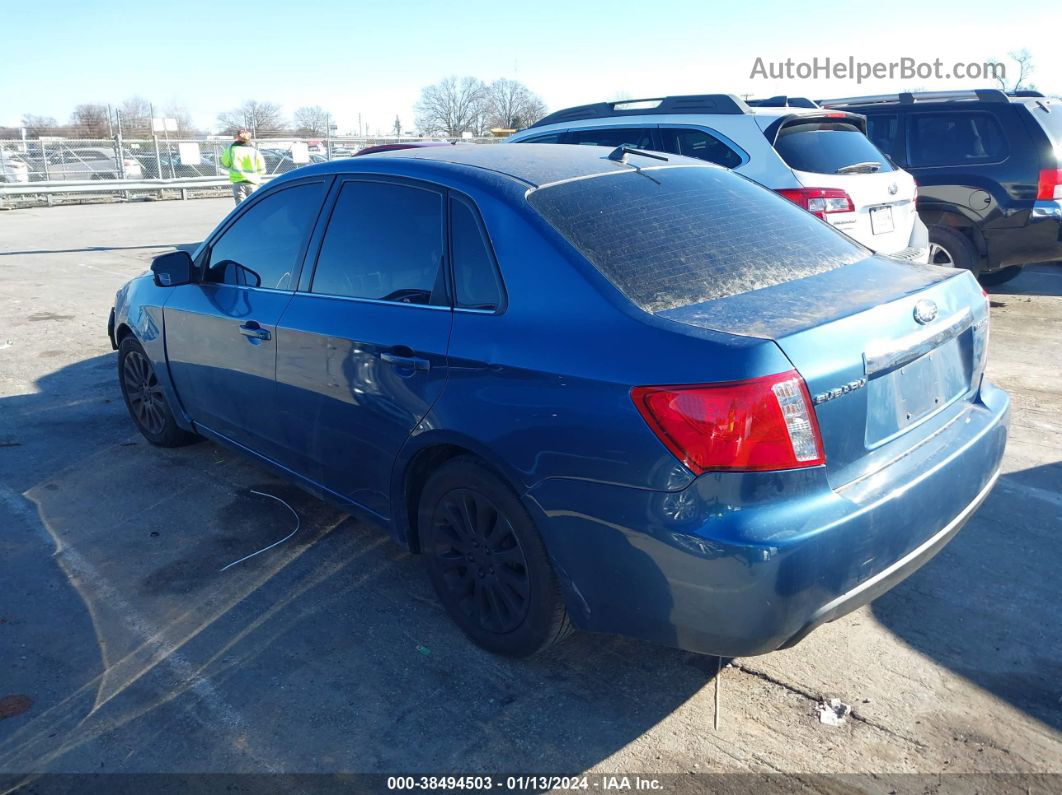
{"points": [[534, 165]]}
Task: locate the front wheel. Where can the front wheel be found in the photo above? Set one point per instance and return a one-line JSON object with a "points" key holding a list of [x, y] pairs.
{"points": [[145, 400], [487, 563]]}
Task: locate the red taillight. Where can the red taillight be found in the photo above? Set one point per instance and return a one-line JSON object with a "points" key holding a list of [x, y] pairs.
{"points": [[1049, 188], [764, 424], [820, 201]]}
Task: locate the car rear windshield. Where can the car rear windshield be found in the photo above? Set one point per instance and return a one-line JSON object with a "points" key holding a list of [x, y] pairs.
{"points": [[675, 236], [828, 148]]}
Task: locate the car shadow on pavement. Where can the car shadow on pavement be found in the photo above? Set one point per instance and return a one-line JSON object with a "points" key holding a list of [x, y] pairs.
{"points": [[137, 653], [987, 606], [189, 247], [1042, 279]]}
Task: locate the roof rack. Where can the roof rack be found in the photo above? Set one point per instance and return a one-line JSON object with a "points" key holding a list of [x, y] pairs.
{"points": [[692, 103], [782, 101], [911, 97], [1025, 92]]}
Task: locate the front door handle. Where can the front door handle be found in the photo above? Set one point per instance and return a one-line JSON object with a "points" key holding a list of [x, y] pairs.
{"points": [[415, 362], [254, 331]]}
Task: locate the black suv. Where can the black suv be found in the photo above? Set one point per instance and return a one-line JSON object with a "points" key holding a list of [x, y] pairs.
{"points": [[988, 172]]}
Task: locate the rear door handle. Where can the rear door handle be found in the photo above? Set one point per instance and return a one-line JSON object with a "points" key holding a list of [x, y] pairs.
{"points": [[414, 362], [254, 331]]}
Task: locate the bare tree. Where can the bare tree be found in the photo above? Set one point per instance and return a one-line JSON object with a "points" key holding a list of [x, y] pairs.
{"points": [[178, 112], [91, 120], [257, 117], [312, 120], [1024, 62], [36, 126], [136, 117], [451, 107], [511, 105]]}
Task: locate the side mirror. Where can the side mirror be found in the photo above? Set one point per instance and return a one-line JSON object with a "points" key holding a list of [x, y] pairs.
{"points": [[173, 269]]}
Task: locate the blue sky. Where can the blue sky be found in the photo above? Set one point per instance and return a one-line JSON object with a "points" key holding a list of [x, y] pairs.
{"points": [[373, 58]]}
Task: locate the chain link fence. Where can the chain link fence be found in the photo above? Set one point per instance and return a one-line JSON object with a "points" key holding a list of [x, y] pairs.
{"points": [[68, 159]]}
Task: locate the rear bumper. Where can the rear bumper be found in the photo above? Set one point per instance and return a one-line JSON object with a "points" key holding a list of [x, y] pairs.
{"points": [[739, 564], [1040, 240], [870, 589]]}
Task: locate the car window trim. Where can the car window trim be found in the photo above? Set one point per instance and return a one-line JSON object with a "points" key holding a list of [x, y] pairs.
{"points": [[305, 283], [203, 260], [739, 151], [484, 235], [909, 125]]}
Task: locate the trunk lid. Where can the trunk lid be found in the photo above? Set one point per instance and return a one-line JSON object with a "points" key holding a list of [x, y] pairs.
{"points": [[881, 380]]}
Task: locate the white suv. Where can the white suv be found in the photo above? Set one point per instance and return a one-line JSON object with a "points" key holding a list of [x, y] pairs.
{"points": [[821, 159]]}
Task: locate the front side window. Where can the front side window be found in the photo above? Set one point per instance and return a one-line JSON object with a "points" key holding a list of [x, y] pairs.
{"points": [[263, 245], [699, 144], [955, 138], [635, 137], [475, 277], [384, 242]]}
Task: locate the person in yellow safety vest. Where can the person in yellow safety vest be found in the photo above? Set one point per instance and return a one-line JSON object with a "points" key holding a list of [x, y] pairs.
{"points": [[245, 164]]}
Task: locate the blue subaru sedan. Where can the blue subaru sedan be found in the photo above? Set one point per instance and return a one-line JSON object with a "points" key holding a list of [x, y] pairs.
{"points": [[593, 389]]}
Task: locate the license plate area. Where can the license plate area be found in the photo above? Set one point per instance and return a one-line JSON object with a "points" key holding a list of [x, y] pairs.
{"points": [[881, 220], [901, 398]]}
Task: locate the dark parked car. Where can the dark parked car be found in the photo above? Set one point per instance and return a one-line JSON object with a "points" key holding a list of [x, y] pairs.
{"points": [[988, 172], [582, 407]]}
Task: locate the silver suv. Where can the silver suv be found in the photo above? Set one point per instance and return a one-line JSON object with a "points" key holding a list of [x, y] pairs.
{"points": [[818, 158]]}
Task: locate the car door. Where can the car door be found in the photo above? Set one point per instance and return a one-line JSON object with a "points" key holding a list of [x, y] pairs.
{"points": [[362, 345], [220, 332]]}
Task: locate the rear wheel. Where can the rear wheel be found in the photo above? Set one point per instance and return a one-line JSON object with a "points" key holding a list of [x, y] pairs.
{"points": [[950, 248], [999, 277], [145, 400], [487, 562]]}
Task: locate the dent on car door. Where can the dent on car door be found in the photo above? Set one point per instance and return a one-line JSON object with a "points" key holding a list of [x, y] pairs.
{"points": [[362, 350], [220, 332]]}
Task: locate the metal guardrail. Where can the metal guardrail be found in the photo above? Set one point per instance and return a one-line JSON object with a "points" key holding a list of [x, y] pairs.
{"points": [[70, 187]]}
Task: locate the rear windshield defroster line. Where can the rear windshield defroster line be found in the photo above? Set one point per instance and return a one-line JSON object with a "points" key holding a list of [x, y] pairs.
{"points": [[673, 237]]}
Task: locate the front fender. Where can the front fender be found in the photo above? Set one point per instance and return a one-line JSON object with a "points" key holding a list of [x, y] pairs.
{"points": [[139, 310]]}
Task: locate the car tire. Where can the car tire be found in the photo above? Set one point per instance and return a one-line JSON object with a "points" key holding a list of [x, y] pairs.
{"points": [[1002, 276], [487, 562], [950, 248], [145, 399]]}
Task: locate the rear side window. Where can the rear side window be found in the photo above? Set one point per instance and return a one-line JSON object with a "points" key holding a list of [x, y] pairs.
{"points": [[674, 236], [548, 138], [1050, 120], [955, 139], [699, 144], [829, 148], [637, 137], [475, 277], [881, 130], [263, 245], [384, 242]]}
